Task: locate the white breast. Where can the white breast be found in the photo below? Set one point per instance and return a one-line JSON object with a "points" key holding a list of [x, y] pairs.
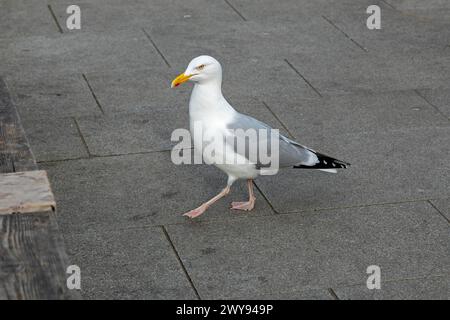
{"points": [[208, 119]]}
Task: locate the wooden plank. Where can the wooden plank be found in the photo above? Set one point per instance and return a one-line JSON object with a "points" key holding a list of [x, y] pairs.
{"points": [[15, 152], [25, 192], [33, 261]]}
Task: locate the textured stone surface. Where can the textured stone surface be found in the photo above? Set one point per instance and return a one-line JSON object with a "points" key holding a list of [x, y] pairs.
{"points": [[312, 250], [133, 133], [386, 167], [15, 19], [25, 192], [112, 269], [439, 98], [443, 205], [262, 73], [135, 90], [431, 288], [361, 112], [434, 10], [77, 52], [47, 96], [55, 139], [108, 15], [375, 98], [358, 71], [136, 190], [400, 33], [308, 294]]}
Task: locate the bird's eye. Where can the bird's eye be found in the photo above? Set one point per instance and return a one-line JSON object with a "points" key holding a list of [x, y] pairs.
{"points": [[201, 67]]}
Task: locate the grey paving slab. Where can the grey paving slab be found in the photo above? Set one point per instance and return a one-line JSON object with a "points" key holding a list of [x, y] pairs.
{"points": [[48, 96], [312, 251], [136, 90], [107, 15], [432, 288], [231, 42], [440, 98], [308, 294], [178, 39], [387, 166], [136, 190], [443, 205], [133, 133], [78, 52], [261, 79], [54, 139], [401, 35], [369, 115], [179, 42], [127, 264], [151, 130], [110, 15], [313, 36], [129, 90], [359, 112], [359, 71], [204, 9], [413, 48], [430, 10], [404, 54], [281, 11], [247, 42], [23, 18], [291, 12], [419, 5]]}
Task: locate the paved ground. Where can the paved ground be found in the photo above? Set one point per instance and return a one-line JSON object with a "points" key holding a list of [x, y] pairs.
{"points": [[98, 111]]}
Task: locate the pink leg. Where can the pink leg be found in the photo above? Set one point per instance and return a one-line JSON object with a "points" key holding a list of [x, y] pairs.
{"points": [[198, 211], [248, 205]]}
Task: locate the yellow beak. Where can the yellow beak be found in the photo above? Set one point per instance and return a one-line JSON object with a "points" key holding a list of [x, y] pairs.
{"points": [[180, 79]]}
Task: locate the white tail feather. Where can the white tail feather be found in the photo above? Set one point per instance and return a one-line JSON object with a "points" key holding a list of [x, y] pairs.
{"points": [[329, 170]]}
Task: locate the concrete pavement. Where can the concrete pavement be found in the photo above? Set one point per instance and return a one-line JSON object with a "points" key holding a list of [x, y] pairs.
{"points": [[98, 111]]}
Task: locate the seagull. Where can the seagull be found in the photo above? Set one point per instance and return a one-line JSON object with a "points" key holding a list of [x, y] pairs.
{"points": [[209, 109]]}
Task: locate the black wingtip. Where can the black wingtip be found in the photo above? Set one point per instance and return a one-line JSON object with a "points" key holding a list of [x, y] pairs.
{"points": [[325, 162]]}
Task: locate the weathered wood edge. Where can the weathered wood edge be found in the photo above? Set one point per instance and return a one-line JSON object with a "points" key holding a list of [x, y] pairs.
{"points": [[27, 282], [32, 258], [15, 151], [23, 192]]}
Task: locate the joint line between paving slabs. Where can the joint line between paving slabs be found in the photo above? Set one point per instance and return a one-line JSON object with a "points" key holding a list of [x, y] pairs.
{"points": [[435, 107], [54, 18], [355, 206], [278, 119], [439, 211], [156, 47], [93, 94], [333, 294], [388, 4], [304, 79], [180, 262], [106, 155], [235, 10], [82, 137], [62, 160], [265, 198], [345, 34]]}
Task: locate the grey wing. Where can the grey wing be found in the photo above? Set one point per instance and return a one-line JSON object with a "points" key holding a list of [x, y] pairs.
{"points": [[290, 152]]}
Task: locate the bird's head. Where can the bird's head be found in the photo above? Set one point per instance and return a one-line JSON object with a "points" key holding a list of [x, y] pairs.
{"points": [[201, 69]]}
